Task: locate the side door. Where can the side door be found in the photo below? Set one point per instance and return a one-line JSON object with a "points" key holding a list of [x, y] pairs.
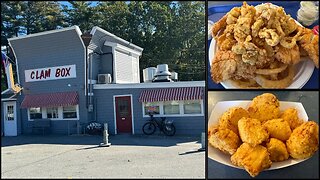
{"points": [[10, 118]]}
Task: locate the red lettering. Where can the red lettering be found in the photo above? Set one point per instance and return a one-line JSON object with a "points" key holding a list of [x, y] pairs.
{"points": [[68, 71], [47, 73], [58, 72], [42, 74], [32, 75], [62, 72]]}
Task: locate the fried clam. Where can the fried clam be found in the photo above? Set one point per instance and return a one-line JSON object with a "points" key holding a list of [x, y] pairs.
{"points": [[230, 118], [264, 107], [251, 131], [277, 149], [291, 116], [224, 139], [253, 159], [278, 128], [304, 140]]}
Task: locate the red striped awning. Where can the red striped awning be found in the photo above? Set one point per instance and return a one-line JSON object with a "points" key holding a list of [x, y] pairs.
{"points": [[172, 94], [50, 100]]}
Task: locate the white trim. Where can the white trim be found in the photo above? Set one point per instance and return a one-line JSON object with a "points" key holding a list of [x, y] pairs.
{"points": [[114, 64], [115, 113], [95, 28], [60, 114], [46, 32], [8, 99], [123, 48], [151, 85], [181, 110]]}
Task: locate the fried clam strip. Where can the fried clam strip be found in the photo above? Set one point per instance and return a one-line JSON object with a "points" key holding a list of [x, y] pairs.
{"points": [[221, 24], [281, 83], [310, 43]]}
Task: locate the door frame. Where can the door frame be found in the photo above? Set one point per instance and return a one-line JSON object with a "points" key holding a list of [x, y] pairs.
{"points": [[5, 104], [115, 113]]}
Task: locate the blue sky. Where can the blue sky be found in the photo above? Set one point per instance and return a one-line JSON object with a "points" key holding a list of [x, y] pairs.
{"points": [[93, 3]]}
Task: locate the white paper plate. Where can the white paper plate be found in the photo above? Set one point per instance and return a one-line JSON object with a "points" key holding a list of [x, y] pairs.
{"points": [[303, 70], [223, 106]]}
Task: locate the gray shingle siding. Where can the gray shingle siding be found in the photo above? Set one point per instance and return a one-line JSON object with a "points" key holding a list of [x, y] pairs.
{"points": [[51, 50], [188, 125]]}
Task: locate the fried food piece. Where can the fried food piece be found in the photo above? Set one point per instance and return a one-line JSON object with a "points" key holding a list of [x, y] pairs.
{"points": [[304, 140], [277, 149], [281, 80], [251, 131], [221, 24], [291, 116], [264, 107], [270, 35], [278, 128], [310, 43], [253, 159], [288, 56], [230, 118], [224, 139], [223, 66]]}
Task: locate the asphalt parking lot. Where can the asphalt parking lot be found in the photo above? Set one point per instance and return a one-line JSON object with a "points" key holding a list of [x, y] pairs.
{"points": [[129, 156]]}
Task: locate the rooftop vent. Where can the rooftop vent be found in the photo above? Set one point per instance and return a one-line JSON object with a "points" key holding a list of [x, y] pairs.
{"points": [[148, 74], [162, 74]]}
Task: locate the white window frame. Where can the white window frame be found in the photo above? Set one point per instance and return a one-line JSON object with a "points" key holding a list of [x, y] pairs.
{"points": [[181, 103], [60, 114]]}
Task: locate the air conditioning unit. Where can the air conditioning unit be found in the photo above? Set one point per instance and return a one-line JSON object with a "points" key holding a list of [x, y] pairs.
{"points": [[104, 78]]}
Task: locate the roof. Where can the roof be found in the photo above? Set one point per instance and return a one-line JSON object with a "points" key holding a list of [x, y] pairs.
{"points": [[100, 36], [47, 32], [151, 85]]}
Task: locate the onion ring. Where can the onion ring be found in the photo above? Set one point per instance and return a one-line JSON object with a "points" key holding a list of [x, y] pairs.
{"points": [[251, 84], [282, 83], [272, 71]]}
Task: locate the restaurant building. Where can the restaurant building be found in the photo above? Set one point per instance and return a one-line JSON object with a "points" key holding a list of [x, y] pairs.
{"points": [[72, 81]]}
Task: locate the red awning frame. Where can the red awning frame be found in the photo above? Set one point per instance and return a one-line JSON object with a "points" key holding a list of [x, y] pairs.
{"points": [[50, 99], [172, 94]]}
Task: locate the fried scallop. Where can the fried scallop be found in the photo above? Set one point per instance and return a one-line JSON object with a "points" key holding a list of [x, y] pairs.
{"points": [[277, 149], [304, 140], [264, 107], [225, 140], [291, 116], [251, 131], [230, 118], [278, 128], [253, 159]]}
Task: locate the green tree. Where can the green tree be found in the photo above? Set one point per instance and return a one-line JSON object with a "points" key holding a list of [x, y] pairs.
{"points": [[81, 14]]}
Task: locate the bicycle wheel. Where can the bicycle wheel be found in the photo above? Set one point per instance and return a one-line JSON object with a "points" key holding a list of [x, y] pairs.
{"points": [[169, 130], [148, 128]]}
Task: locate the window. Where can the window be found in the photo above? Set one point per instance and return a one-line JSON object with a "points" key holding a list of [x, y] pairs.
{"points": [[174, 108], [52, 113], [69, 112], [192, 107], [171, 107], [35, 113], [152, 107]]}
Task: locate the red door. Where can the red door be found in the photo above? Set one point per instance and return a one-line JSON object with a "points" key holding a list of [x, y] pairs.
{"points": [[123, 114]]}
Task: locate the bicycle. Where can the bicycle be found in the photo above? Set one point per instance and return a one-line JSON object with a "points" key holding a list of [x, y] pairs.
{"points": [[165, 125]]}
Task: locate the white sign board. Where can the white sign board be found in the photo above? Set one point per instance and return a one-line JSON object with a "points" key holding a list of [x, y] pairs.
{"points": [[50, 73]]}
